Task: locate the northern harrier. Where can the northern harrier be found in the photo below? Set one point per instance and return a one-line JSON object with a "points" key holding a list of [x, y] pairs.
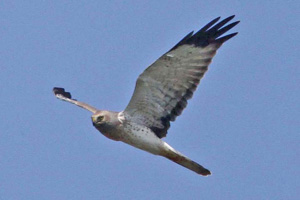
{"points": [[161, 94]]}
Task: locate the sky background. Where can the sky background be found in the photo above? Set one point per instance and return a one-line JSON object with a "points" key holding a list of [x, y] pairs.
{"points": [[243, 122]]}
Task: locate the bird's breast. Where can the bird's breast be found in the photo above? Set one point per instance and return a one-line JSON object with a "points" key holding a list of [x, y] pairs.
{"points": [[113, 134]]}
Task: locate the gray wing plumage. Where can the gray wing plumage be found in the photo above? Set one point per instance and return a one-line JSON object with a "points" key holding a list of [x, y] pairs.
{"points": [[162, 90]]}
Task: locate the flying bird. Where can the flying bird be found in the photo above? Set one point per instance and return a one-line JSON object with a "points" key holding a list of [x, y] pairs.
{"points": [[161, 94]]}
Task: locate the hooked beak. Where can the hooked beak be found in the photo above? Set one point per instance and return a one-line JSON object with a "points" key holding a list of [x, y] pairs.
{"points": [[94, 119]]}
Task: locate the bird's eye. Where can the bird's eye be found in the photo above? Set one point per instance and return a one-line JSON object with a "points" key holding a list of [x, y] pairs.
{"points": [[100, 118]]}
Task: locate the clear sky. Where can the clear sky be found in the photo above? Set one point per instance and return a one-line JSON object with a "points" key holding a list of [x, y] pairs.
{"points": [[243, 122]]}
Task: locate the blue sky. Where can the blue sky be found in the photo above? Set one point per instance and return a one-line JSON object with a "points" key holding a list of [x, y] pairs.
{"points": [[242, 123]]}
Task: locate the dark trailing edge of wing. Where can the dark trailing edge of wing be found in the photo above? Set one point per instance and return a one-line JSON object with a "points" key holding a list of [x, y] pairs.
{"points": [[209, 33]]}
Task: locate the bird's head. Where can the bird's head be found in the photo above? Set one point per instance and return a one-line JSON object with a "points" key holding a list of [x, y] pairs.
{"points": [[105, 119], [107, 123], [100, 118]]}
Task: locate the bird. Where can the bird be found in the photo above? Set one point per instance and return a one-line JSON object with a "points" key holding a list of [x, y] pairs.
{"points": [[161, 94]]}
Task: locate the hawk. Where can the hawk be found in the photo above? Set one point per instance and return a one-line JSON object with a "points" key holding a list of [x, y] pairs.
{"points": [[161, 94]]}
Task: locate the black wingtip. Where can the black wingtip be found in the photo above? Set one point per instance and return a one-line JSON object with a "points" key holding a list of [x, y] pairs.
{"points": [[182, 41], [205, 172], [216, 27], [227, 19], [231, 17], [235, 23], [225, 38], [217, 19], [225, 29], [207, 26], [210, 33], [61, 91]]}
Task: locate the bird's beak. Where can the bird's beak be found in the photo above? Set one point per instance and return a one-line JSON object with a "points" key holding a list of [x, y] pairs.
{"points": [[94, 119]]}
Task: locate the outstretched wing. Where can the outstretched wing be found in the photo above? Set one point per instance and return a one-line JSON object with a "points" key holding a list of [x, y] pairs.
{"points": [[61, 94], [162, 90]]}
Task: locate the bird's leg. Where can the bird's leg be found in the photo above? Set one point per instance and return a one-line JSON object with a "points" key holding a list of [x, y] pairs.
{"points": [[61, 94]]}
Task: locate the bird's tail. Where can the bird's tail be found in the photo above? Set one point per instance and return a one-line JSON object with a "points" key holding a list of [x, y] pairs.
{"points": [[184, 161]]}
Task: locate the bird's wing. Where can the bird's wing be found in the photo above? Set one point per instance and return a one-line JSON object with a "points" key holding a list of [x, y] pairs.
{"points": [[162, 90], [61, 94]]}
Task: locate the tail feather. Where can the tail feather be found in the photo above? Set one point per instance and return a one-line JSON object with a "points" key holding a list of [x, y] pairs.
{"points": [[184, 161], [188, 163]]}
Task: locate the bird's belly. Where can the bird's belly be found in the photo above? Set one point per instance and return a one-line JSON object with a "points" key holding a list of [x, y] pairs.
{"points": [[143, 138]]}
